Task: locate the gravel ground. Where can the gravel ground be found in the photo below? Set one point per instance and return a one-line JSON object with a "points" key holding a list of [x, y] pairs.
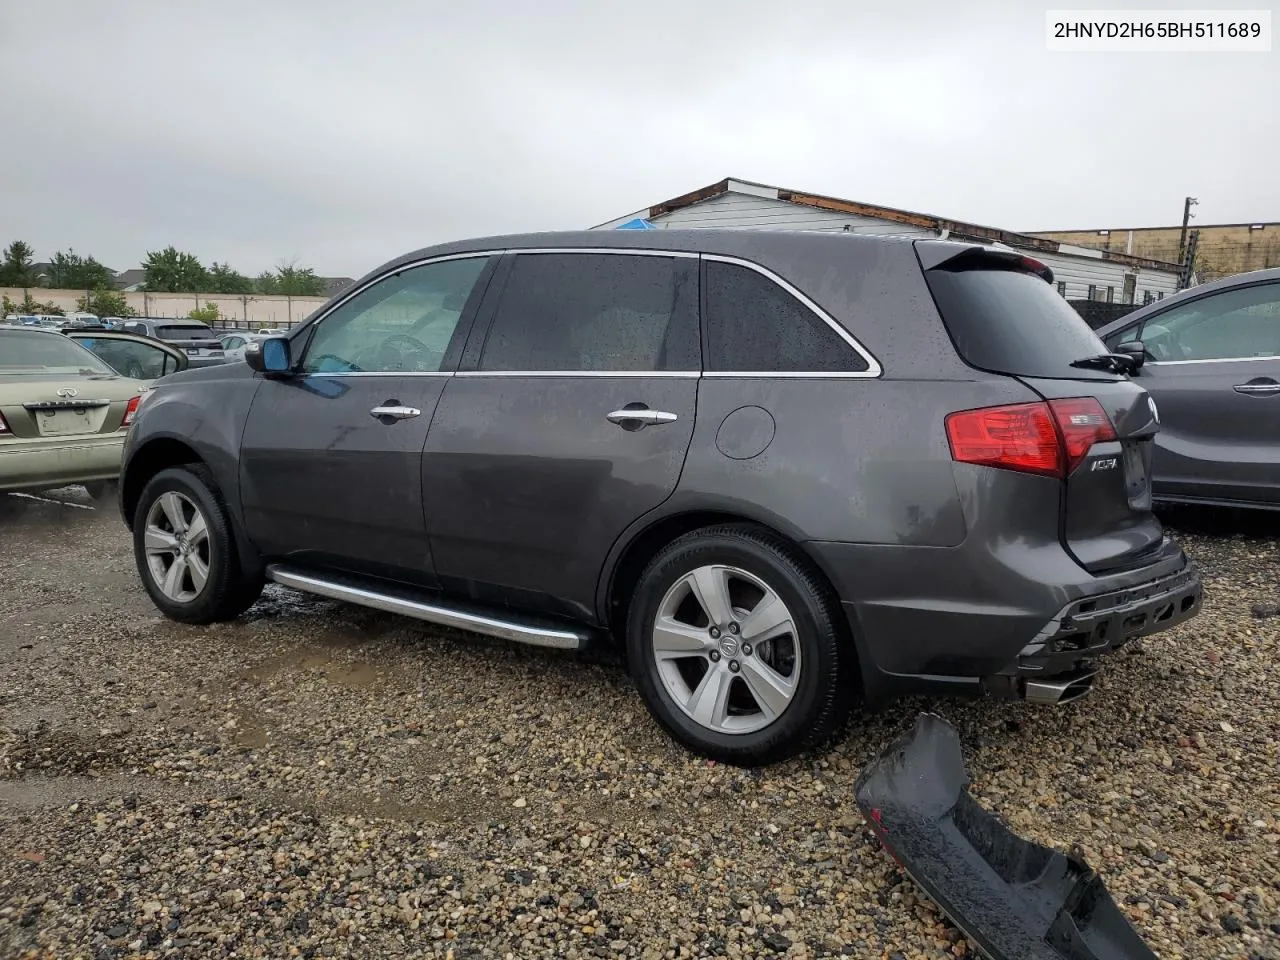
{"points": [[317, 780]]}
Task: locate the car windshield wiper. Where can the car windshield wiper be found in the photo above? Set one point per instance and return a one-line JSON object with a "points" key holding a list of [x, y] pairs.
{"points": [[1111, 362]]}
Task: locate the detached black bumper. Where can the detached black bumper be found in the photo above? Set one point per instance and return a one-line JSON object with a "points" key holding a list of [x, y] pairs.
{"points": [[1016, 899]]}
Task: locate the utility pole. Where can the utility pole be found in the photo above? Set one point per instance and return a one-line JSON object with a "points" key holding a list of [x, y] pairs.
{"points": [[1188, 264], [1186, 218]]}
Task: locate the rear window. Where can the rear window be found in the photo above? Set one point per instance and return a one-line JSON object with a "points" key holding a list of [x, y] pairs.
{"points": [[184, 331], [1008, 321], [47, 354]]}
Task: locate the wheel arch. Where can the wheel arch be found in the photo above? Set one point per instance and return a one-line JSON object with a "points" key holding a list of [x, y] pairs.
{"points": [[160, 453], [155, 455], [644, 538]]}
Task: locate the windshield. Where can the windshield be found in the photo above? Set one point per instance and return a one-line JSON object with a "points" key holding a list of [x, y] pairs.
{"points": [[185, 331], [1009, 321], [43, 354]]}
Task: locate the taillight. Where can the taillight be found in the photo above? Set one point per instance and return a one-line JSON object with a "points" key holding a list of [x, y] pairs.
{"points": [[1019, 436], [130, 412], [1049, 439], [1083, 423]]}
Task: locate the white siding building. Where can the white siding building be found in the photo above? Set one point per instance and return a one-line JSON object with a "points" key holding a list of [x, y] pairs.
{"points": [[1081, 273]]}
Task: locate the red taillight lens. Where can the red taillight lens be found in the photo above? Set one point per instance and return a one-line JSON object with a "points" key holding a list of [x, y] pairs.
{"points": [[1019, 436], [130, 412], [1083, 423], [1050, 439]]}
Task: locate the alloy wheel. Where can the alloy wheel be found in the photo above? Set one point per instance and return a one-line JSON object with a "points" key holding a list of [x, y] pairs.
{"points": [[726, 649], [176, 541]]}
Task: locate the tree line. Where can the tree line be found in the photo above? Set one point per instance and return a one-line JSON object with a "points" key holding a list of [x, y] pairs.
{"points": [[165, 271]]}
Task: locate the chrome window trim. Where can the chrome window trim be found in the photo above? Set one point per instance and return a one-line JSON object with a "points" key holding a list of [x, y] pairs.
{"points": [[789, 375], [376, 373], [665, 374], [616, 251], [1180, 363], [873, 371]]}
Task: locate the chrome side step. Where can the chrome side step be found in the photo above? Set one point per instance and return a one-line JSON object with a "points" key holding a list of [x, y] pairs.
{"points": [[529, 631], [1060, 690]]}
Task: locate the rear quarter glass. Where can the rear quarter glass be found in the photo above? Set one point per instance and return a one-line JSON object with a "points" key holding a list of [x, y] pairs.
{"points": [[1013, 322]]}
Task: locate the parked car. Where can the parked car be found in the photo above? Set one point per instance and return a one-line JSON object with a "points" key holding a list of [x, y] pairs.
{"points": [[64, 413], [233, 345], [130, 354], [786, 471], [197, 339], [1210, 358]]}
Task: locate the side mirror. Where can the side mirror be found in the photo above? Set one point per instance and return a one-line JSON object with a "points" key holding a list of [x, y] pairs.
{"points": [[1134, 349], [269, 356]]}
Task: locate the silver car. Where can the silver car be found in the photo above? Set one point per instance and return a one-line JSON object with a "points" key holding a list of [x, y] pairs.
{"points": [[1211, 361], [233, 345]]}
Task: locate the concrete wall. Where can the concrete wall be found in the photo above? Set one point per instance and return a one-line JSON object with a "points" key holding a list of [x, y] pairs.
{"points": [[1222, 251], [261, 310]]}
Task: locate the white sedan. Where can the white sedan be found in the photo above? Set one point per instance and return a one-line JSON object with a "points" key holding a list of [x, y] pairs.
{"points": [[233, 345]]}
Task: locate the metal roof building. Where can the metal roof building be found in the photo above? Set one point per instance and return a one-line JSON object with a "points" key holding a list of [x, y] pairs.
{"points": [[1081, 272]]}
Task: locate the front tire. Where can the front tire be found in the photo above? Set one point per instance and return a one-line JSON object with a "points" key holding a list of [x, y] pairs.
{"points": [[185, 551], [737, 648]]}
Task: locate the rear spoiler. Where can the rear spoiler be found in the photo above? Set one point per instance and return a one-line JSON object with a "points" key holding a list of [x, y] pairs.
{"points": [[950, 255], [1016, 899]]}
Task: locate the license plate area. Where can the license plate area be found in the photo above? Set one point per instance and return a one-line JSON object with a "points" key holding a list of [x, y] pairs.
{"points": [[64, 419], [1137, 480], [61, 423]]}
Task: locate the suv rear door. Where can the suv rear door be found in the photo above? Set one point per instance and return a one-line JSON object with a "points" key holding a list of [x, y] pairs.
{"points": [[1214, 370], [569, 419], [1004, 317]]}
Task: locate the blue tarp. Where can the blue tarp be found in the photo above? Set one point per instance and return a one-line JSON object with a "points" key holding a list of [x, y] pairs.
{"points": [[639, 223]]}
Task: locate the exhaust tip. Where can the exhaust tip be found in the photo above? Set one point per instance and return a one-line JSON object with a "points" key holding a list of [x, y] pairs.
{"points": [[1060, 690]]}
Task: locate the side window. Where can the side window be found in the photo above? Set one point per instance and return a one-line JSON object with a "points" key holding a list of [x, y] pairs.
{"points": [[403, 323], [754, 325], [141, 361], [601, 312], [1234, 325]]}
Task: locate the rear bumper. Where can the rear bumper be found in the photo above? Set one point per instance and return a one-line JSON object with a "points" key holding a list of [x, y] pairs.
{"points": [[951, 619], [1100, 623], [49, 462]]}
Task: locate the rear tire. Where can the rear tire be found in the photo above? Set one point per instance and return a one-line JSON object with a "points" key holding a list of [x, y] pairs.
{"points": [[185, 551], [737, 648], [102, 492]]}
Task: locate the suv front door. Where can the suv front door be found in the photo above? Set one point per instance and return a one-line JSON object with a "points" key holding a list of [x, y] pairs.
{"points": [[331, 456], [1214, 372], [573, 422]]}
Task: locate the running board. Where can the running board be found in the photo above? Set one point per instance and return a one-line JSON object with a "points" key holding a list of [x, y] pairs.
{"points": [[402, 601]]}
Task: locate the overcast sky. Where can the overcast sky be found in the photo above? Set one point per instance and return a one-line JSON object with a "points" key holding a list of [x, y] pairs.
{"points": [[340, 134]]}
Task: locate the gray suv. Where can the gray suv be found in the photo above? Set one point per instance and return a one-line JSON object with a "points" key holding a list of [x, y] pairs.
{"points": [[787, 472], [197, 340]]}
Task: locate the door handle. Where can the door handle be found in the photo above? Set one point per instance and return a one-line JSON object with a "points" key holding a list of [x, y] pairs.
{"points": [[642, 415], [395, 412], [1258, 389]]}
